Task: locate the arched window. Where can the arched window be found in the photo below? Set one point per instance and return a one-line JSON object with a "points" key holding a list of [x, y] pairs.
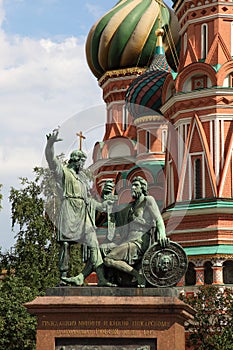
{"points": [[228, 272], [208, 273], [147, 141], [204, 41], [164, 140], [185, 42], [190, 276], [125, 120], [197, 179]]}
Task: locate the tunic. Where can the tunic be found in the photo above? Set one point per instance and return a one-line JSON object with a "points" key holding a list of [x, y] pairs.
{"points": [[75, 223]]}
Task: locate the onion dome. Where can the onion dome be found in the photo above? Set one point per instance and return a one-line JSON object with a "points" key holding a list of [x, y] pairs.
{"points": [[143, 96], [124, 36]]}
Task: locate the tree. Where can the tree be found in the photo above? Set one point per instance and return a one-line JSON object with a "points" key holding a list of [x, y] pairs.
{"points": [[17, 327], [35, 250], [211, 328], [32, 262]]}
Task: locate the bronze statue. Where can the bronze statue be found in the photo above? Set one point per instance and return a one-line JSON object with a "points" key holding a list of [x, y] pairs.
{"points": [[143, 217], [136, 223], [136, 250], [75, 222]]}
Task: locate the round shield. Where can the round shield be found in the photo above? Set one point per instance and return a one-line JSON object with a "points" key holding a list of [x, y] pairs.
{"points": [[164, 267]]}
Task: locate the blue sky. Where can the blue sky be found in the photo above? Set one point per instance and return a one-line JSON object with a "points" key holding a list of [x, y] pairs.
{"points": [[57, 18], [46, 18], [44, 82]]}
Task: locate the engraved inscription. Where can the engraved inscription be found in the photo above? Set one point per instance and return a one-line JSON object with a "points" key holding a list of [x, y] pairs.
{"points": [[104, 326]]}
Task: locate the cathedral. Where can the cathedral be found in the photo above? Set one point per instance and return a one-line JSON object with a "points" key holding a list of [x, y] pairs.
{"points": [[167, 81]]}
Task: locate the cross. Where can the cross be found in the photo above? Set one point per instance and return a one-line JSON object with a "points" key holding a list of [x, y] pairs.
{"points": [[81, 138]]}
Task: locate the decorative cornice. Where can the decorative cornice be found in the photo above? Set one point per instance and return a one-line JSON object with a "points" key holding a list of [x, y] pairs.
{"points": [[193, 98], [182, 209], [149, 118], [120, 72], [211, 256], [207, 17]]}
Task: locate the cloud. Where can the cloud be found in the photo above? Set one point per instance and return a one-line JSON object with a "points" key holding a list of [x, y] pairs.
{"points": [[43, 84], [16, 158]]}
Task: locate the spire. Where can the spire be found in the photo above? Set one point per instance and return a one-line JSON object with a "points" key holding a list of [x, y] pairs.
{"points": [[159, 62], [159, 50]]}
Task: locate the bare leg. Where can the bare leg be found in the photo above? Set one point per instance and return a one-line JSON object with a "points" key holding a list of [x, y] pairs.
{"points": [[94, 263], [98, 265], [123, 266]]}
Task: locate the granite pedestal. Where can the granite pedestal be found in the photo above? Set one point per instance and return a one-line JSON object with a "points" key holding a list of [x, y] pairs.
{"points": [[96, 318]]}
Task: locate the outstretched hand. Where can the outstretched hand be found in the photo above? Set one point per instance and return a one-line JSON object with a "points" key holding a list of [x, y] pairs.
{"points": [[53, 137]]}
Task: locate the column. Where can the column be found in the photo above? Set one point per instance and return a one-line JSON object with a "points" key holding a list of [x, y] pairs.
{"points": [[199, 275], [217, 273]]}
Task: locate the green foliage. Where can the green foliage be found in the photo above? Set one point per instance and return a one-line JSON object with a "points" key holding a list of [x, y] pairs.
{"points": [[35, 251], [32, 262], [211, 328], [17, 327]]}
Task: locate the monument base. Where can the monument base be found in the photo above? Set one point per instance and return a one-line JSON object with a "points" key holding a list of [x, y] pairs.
{"points": [[78, 318]]}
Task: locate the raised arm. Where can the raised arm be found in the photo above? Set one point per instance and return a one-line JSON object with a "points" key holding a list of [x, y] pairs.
{"points": [[53, 162]]}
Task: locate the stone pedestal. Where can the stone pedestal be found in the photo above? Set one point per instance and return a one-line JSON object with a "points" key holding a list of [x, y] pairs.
{"points": [[70, 318]]}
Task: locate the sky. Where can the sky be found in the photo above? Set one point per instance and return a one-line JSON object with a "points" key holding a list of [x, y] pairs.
{"points": [[44, 82]]}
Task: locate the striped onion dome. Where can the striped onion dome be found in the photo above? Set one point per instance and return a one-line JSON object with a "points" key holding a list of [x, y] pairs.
{"points": [[124, 36], [143, 96]]}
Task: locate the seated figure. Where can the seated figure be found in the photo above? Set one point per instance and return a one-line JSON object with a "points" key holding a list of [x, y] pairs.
{"points": [[143, 217]]}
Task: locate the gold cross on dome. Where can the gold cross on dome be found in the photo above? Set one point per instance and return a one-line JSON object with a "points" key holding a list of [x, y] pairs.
{"points": [[81, 138]]}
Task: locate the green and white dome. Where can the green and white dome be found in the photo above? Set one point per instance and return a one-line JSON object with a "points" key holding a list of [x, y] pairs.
{"points": [[125, 36]]}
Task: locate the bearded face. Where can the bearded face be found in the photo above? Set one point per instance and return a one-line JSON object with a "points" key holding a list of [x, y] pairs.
{"points": [[136, 189], [77, 161]]}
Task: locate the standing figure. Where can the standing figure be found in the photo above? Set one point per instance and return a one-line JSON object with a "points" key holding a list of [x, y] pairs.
{"points": [[143, 217], [75, 224]]}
